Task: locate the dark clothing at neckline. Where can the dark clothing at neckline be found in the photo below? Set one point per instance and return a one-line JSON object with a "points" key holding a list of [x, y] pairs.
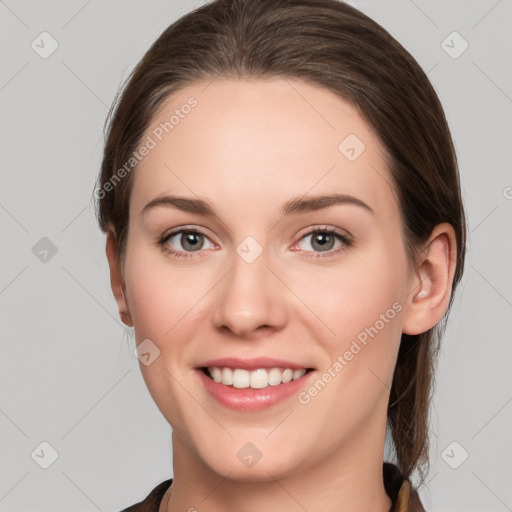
{"points": [[403, 496]]}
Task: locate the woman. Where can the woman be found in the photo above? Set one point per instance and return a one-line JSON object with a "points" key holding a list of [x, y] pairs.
{"points": [[285, 233]]}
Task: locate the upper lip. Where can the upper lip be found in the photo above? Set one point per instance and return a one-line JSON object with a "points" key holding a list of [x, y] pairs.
{"points": [[252, 364]]}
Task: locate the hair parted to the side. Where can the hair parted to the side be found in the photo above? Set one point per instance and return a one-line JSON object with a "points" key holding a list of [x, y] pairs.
{"points": [[333, 45]]}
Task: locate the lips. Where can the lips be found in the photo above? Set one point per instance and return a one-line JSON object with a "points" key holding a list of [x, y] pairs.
{"points": [[253, 364], [252, 384]]}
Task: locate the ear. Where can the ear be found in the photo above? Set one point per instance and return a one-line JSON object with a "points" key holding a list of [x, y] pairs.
{"points": [[431, 283], [116, 277]]}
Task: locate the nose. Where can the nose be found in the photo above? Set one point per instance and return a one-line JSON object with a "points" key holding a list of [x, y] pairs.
{"points": [[251, 300]]}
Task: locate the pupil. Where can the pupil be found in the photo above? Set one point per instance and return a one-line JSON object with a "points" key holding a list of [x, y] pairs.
{"points": [[191, 241], [323, 240]]}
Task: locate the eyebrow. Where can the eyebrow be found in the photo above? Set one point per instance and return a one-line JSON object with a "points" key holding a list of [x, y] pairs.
{"points": [[294, 206]]}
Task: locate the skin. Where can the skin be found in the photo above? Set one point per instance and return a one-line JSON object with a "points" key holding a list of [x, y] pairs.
{"points": [[248, 147]]}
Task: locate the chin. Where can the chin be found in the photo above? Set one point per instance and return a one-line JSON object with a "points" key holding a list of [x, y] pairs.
{"points": [[250, 464]]}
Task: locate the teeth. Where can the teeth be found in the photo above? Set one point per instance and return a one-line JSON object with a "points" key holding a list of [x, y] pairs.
{"points": [[256, 379], [216, 374], [241, 378], [287, 375], [227, 376], [274, 376], [297, 374]]}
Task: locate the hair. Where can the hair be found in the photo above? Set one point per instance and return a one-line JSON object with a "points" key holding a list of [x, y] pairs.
{"points": [[333, 45]]}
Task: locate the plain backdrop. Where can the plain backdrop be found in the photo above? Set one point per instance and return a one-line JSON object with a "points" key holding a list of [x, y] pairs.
{"points": [[69, 379]]}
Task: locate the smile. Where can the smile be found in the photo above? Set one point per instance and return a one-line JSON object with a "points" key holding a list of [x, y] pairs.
{"points": [[254, 384], [256, 379]]}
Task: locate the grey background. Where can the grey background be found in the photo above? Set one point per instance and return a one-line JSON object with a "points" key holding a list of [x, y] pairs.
{"points": [[68, 375]]}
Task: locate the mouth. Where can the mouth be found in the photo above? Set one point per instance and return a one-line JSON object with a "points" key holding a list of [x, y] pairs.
{"points": [[259, 378], [251, 385]]}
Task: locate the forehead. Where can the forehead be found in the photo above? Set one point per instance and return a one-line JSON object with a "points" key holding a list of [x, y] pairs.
{"points": [[253, 143]]}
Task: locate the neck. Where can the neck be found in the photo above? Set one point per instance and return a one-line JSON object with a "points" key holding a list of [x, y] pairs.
{"points": [[349, 479]]}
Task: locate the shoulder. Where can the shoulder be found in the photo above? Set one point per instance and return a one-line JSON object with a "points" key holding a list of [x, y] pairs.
{"points": [[151, 503], [403, 495]]}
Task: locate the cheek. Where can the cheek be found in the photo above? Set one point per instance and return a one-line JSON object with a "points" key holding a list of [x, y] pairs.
{"points": [[159, 295], [352, 295], [361, 302], [161, 304], [364, 312]]}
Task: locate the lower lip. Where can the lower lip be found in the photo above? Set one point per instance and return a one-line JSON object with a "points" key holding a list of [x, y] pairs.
{"points": [[249, 399]]}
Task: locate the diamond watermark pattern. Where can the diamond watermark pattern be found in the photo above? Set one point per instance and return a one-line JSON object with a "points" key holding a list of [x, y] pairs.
{"points": [[44, 250], [351, 147], [454, 45], [454, 455], [249, 454], [44, 45], [249, 249], [44, 455], [146, 352]]}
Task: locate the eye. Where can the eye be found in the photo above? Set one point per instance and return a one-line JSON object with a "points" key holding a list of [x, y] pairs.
{"points": [[185, 241], [179, 243], [324, 239]]}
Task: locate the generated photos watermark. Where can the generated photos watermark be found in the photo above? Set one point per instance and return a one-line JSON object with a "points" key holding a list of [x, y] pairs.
{"points": [[150, 142], [357, 344]]}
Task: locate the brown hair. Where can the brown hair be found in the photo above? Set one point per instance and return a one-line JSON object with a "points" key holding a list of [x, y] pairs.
{"points": [[335, 46]]}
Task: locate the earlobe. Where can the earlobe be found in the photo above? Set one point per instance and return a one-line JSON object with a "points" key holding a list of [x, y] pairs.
{"points": [[116, 277], [431, 284]]}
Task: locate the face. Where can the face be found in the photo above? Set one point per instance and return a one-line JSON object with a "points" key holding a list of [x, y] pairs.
{"points": [[270, 279]]}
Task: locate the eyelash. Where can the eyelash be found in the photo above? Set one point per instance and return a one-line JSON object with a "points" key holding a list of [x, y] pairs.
{"points": [[347, 242]]}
